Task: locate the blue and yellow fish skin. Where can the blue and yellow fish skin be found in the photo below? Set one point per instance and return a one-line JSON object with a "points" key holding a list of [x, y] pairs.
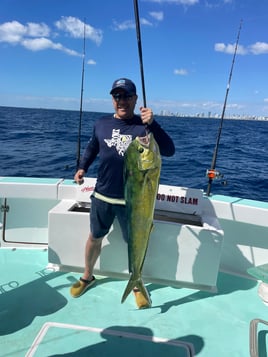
{"points": [[141, 173]]}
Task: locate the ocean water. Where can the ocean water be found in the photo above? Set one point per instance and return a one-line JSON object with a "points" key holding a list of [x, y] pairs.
{"points": [[43, 143]]}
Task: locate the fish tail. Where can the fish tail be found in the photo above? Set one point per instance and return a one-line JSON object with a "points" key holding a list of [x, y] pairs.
{"points": [[130, 286], [142, 297], [136, 284]]}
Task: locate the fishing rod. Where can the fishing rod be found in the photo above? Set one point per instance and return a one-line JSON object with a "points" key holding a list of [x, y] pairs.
{"points": [[212, 173], [81, 102], [137, 18]]}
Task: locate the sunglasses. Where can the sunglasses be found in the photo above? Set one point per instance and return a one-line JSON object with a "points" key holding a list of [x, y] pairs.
{"points": [[126, 97]]}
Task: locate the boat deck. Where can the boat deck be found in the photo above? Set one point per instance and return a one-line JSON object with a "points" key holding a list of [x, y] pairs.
{"points": [[40, 318]]}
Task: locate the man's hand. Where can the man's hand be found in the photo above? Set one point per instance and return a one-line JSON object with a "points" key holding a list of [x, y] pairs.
{"points": [[79, 177], [147, 115]]}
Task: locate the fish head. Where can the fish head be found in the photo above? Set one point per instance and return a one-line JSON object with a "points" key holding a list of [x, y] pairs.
{"points": [[145, 151]]}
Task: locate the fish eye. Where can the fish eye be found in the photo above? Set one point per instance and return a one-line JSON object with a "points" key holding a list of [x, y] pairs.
{"points": [[141, 149]]}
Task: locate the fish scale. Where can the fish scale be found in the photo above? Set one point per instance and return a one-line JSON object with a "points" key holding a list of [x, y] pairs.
{"points": [[141, 173]]}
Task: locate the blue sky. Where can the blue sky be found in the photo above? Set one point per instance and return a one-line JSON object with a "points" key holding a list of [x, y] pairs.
{"points": [[187, 49]]}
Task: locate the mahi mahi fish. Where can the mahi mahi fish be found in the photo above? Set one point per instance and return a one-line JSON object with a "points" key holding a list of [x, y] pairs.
{"points": [[142, 167]]}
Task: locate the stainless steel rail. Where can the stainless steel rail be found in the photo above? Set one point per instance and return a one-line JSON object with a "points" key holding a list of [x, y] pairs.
{"points": [[253, 336]]}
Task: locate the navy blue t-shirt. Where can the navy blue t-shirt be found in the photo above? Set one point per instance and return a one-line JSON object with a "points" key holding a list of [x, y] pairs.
{"points": [[110, 139]]}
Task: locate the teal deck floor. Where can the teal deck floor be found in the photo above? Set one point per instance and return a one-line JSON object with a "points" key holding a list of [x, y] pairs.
{"points": [[35, 303]]}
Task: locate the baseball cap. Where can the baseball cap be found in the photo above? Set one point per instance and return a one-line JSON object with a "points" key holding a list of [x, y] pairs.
{"points": [[123, 83]]}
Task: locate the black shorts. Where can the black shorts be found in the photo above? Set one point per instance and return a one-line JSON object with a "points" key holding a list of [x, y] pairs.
{"points": [[102, 215]]}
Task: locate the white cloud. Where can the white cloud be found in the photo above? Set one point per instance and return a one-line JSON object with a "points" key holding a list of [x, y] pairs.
{"points": [[40, 44], [159, 16], [35, 36], [129, 24], [122, 26], [37, 30], [181, 72], [13, 32], [211, 105], [230, 48], [257, 48], [145, 22], [176, 2], [75, 28], [91, 62]]}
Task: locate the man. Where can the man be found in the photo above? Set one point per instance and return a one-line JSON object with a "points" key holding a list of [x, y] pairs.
{"points": [[110, 139]]}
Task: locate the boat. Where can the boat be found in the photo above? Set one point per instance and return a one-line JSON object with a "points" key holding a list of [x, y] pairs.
{"points": [[206, 272]]}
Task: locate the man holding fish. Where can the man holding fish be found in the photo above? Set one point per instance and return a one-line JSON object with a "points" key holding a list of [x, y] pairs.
{"points": [[129, 148]]}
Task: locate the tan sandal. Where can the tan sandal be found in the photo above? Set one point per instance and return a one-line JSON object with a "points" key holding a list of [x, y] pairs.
{"points": [[81, 286], [141, 300]]}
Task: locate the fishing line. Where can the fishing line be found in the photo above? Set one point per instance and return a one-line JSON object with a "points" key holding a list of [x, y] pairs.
{"points": [[81, 102], [212, 173], [137, 18]]}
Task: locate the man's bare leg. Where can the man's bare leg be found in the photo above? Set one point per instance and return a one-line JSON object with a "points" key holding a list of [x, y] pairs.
{"points": [[92, 252]]}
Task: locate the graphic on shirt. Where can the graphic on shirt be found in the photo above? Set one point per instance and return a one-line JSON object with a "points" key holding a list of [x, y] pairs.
{"points": [[120, 142]]}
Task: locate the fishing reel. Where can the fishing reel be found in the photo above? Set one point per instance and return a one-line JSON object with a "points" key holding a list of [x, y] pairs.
{"points": [[214, 174]]}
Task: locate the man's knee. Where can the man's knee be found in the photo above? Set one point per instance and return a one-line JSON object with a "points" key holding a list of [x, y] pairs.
{"points": [[94, 240]]}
